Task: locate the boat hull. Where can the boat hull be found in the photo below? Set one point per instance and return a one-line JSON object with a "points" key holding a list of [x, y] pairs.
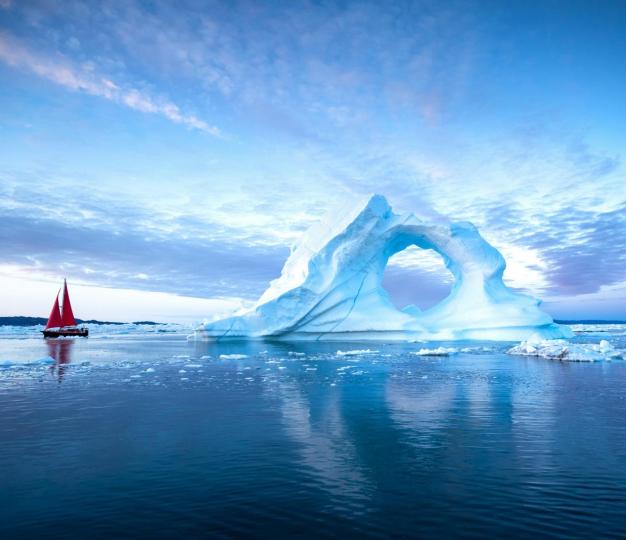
{"points": [[66, 332]]}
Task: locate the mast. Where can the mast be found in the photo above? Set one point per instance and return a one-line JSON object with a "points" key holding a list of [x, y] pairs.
{"points": [[67, 316], [55, 319]]}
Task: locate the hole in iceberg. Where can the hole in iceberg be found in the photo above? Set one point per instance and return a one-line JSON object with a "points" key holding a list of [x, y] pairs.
{"points": [[417, 277]]}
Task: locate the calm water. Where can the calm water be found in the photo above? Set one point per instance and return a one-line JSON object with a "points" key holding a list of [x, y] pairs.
{"points": [[149, 436]]}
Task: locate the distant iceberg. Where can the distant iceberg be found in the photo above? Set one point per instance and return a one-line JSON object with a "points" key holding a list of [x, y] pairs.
{"points": [[330, 287]]}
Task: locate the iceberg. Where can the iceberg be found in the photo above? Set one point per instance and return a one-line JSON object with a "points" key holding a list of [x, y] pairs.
{"points": [[330, 286]]}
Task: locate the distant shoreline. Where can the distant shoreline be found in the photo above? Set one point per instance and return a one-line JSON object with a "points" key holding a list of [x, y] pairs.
{"points": [[589, 321], [32, 321]]}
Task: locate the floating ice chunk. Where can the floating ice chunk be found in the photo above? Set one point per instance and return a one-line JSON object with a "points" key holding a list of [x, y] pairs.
{"points": [[205, 357], [193, 366], [233, 356], [356, 352], [150, 370], [294, 353], [439, 351], [560, 349], [47, 360], [474, 349]]}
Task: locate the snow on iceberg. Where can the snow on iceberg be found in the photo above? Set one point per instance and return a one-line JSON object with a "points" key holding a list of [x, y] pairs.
{"points": [[559, 349], [330, 287]]}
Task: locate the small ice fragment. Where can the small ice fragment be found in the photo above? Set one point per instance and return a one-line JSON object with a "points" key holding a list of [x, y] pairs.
{"points": [[439, 351], [355, 352], [233, 356], [150, 370]]}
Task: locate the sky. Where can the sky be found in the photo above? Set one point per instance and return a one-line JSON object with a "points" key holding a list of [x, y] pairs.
{"points": [[164, 156]]}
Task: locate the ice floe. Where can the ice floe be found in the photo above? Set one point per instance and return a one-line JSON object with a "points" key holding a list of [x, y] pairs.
{"points": [[355, 352], [47, 360], [439, 351], [560, 349]]}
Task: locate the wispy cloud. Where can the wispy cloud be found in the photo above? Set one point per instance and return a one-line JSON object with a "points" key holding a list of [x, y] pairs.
{"points": [[138, 259], [63, 72]]}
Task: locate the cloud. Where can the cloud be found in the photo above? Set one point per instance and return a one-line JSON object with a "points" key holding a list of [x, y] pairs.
{"points": [[583, 251], [132, 258], [48, 228], [416, 286], [61, 71]]}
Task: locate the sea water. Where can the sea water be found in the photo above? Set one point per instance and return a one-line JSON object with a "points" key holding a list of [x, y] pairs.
{"points": [[138, 433]]}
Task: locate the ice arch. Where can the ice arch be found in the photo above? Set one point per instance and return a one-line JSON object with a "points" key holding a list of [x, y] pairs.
{"points": [[416, 277], [330, 286]]}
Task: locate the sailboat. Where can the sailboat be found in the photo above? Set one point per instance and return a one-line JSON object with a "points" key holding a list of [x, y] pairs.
{"points": [[61, 321]]}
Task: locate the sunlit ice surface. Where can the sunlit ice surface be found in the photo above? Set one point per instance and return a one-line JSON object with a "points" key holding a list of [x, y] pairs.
{"points": [[137, 433]]}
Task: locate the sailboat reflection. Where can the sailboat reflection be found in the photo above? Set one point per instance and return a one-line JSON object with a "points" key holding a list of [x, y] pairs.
{"points": [[61, 351]]}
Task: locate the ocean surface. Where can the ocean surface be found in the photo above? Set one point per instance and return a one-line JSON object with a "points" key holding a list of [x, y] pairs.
{"points": [[137, 433]]}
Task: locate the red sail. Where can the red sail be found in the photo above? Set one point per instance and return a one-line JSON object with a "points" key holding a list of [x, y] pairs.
{"points": [[67, 317], [54, 321]]}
